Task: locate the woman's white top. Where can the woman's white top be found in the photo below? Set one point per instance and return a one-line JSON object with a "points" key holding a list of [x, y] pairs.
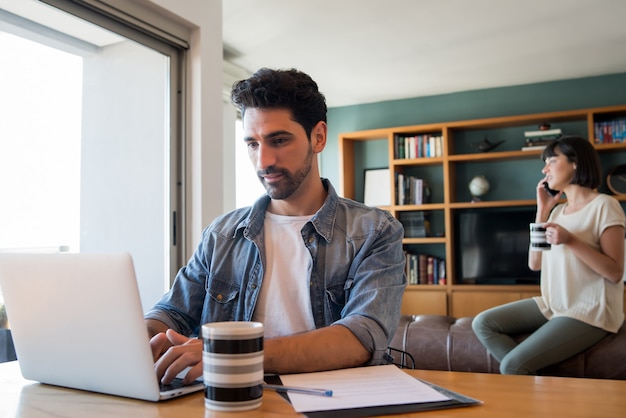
{"points": [[568, 286]]}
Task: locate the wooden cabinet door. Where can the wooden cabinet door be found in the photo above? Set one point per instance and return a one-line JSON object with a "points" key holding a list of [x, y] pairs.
{"points": [[472, 303], [420, 302]]}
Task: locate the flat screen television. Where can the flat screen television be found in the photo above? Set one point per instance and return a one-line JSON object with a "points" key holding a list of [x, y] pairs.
{"points": [[491, 246]]}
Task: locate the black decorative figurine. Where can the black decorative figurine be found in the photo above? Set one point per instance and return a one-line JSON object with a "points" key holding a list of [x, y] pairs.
{"points": [[486, 145]]}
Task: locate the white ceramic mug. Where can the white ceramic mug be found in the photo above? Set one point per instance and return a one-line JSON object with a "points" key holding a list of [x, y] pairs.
{"points": [[538, 238], [232, 359]]}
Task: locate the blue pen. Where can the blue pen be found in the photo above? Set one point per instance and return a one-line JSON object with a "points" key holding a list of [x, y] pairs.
{"points": [[295, 389]]}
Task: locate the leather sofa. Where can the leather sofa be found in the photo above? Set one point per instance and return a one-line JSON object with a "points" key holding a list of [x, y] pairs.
{"points": [[438, 342]]}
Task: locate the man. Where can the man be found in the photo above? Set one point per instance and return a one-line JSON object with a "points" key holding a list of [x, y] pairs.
{"points": [[324, 274]]}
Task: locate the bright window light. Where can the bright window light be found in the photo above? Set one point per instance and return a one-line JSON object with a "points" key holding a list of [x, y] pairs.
{"points": [[40, 145], [248, 187]]}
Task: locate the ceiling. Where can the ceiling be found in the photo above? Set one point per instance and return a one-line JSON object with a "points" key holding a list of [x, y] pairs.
{"points": [[363, 51]]}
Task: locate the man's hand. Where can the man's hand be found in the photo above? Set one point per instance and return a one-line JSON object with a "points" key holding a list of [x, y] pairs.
{"points": [[159, 345], [182, 353]]}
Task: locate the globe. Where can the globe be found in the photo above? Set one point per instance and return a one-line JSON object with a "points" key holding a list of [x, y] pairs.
{"points": [[478, 186]]}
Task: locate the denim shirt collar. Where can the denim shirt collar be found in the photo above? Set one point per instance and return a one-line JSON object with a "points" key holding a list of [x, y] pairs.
{"points": [[323, 221]]}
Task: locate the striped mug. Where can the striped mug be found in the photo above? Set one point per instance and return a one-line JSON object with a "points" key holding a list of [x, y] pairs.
{"points": [[538, 238], [232, 358]]}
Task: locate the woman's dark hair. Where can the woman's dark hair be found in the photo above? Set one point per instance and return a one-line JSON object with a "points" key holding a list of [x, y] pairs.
{"points": [[282, 89], [579, 151]]}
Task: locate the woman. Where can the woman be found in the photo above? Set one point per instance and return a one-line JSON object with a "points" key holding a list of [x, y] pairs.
{"points": [[582, 291]]}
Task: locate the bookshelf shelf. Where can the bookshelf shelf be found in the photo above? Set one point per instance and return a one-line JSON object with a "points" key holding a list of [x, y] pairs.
{"points": [[427, 206], [418, 161], [490, 156], [448, 175], [435, 240], [491, 204], [609, 147]]}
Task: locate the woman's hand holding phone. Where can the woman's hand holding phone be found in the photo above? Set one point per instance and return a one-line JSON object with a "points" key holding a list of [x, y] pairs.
{"points": [[552, 192], [547, 198]]}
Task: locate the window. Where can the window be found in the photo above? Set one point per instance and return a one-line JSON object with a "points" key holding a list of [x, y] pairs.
{"points": [[247, 186], [89, 141], [40, 110]]}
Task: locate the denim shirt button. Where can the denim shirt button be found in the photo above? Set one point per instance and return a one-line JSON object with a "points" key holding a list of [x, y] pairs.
{"points": [[220, 297], [311, 239], [253, 285]]}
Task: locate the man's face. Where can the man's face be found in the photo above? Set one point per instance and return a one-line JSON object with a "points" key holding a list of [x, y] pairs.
{"points": [[279, 149]]}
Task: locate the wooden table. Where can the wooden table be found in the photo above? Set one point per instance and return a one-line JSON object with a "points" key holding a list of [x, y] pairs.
{"points": [[503, 396]]}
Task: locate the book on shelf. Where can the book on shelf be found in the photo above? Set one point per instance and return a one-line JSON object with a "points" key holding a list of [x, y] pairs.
{"points": [[430, 270], [425, 269], [418, 146], [610, 132], [399, 188], [533, 147], [539, 142], [415, 223], [439, 271], [546, 138], [411, 190], [422, 274], [543, 133], [411, 268]]}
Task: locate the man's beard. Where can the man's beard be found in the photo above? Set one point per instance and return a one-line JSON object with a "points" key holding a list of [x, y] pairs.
{"points": [[289, 182]]}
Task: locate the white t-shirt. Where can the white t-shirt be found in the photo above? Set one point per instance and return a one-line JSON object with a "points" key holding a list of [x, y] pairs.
{"points": [[284, 304], [568, 286]]}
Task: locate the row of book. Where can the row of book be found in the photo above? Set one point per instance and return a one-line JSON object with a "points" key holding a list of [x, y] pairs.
{"points": [[418, 146], [411, 190], [416, 224], [611, 132], [425, 269], [540, 138]]}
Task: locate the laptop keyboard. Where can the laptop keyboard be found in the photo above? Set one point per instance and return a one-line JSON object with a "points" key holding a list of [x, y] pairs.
{"points": [[177, 383]]}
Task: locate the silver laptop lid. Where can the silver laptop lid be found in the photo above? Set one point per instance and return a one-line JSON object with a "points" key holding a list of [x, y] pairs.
{"points": [[77, 321]]}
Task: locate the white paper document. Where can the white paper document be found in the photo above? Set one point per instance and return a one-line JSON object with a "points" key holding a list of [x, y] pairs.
{"points": [[358, 388]]}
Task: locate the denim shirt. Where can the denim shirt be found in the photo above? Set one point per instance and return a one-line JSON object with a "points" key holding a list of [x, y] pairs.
{"points": [[357, 279]]}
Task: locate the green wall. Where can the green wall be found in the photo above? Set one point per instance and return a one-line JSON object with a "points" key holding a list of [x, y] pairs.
{"points": [[504, 101]]}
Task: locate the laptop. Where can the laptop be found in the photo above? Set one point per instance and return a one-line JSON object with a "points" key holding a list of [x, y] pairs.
{"points": [[76, 321]]}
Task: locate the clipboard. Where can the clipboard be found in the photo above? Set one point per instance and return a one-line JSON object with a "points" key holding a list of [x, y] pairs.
{"points": [[456, 400]]}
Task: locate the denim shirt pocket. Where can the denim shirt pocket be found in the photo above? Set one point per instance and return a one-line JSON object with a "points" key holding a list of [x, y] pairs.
{"points": [[221, 299], [337, 294]]}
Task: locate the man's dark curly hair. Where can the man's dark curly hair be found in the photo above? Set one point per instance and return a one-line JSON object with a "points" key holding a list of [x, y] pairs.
{"points": [[579, 151], [282, 89]]}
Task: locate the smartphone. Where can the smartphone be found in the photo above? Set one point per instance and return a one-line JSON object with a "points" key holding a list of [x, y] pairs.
{"points": [[551, 191]]}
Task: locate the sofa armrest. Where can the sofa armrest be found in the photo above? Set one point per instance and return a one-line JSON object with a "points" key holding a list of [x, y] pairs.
{"points": [[439, 342]]}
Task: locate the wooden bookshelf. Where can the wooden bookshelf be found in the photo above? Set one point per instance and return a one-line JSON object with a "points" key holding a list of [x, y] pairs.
{"points": [[448, 175]]}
